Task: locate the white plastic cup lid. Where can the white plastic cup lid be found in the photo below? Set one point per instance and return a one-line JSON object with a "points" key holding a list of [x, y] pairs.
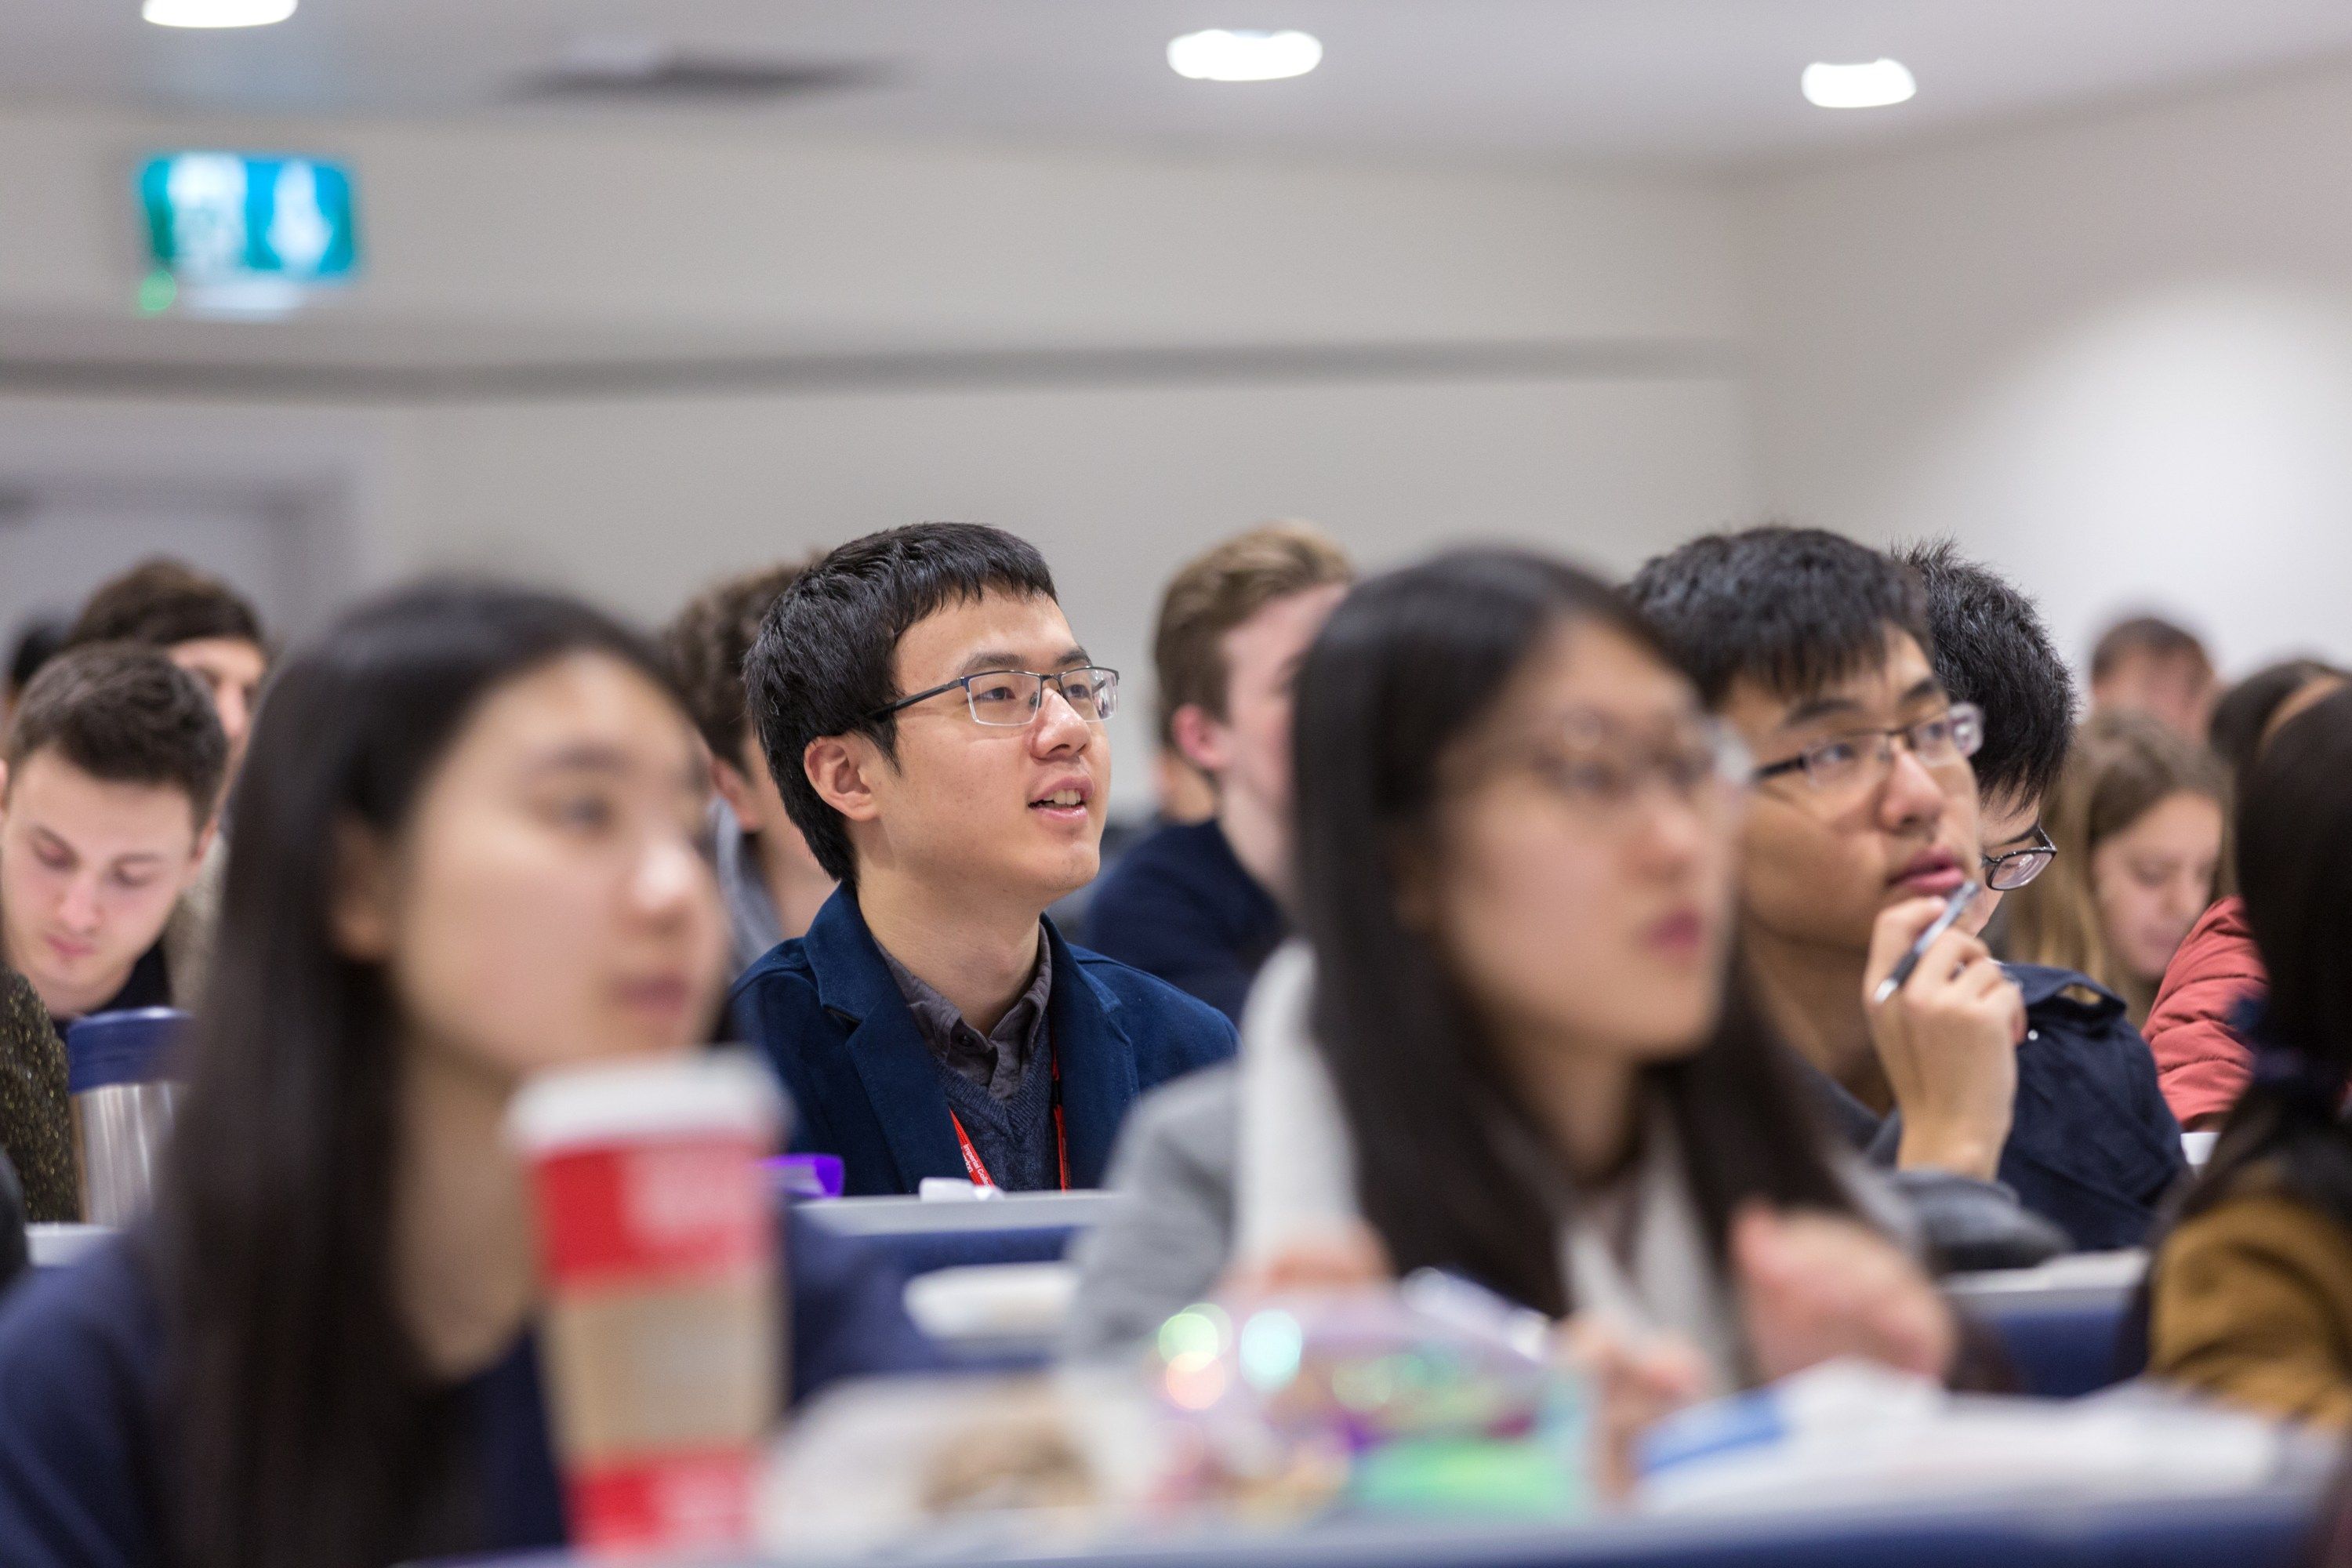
{"points": [[719, 1093]]}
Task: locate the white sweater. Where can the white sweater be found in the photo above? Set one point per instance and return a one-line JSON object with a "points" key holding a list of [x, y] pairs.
{"points": [[1296, 1181]]}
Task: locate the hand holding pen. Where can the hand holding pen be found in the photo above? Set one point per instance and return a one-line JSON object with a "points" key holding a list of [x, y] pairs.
{"points": [[1945, 1022]]}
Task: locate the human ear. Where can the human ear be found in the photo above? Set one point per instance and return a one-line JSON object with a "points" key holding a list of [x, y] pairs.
{"points": [[359, 899], [203, 847], [735, 790], [839, 768], [1202, 740]]}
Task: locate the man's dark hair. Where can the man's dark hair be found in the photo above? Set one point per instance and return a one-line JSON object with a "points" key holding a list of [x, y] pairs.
{"points": [[1992, 649], [822, 665], [36, 644], [1793, 609], [165, 603], [2151, 636], [124, 713], [707, 645]]}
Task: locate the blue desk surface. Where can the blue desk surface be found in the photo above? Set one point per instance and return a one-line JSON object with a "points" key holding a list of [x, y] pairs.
{"points": [[2269, 1529], [2068, 1327]]}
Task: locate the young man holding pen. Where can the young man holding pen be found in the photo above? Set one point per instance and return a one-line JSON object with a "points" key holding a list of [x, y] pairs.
{"points": [[1865, 822]]}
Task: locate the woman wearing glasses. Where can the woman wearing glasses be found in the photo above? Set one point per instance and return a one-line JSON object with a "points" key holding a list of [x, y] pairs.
{"points": [[1508, 1046]]}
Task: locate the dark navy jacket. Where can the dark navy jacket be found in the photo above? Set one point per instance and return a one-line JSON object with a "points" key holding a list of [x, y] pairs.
{"points": [[85, 1474], [864, 1086], [1181, 906], [2092, 1147]]}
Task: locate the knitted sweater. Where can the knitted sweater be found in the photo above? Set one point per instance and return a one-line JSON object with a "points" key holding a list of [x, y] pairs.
{"points": [[35, 1123]]}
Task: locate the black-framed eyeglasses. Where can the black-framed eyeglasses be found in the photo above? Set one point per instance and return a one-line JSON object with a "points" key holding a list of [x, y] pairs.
{"points": [[1010, 698], [2012, 869], [1863, 756]]}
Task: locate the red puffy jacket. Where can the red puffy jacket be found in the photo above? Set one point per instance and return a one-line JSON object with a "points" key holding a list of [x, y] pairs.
{"points": [[2203, 1063]]}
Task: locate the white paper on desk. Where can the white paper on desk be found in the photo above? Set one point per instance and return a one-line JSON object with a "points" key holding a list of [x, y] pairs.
{"points": [[2130, 1441], [994, 1300]]}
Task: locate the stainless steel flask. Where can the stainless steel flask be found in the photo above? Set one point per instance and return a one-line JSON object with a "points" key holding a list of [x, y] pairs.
{"points": [[118, 1072]]}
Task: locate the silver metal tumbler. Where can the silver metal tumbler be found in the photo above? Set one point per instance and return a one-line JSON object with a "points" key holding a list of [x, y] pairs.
{"points": [[118, 1072]]}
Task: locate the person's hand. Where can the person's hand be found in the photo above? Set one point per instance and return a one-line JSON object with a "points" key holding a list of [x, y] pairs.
{"points": [[1637, 1380], [1816, 1286], [1948, 1041], [1349, 1258]]}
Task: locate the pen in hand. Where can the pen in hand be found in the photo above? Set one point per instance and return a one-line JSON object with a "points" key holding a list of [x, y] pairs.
{"points": [[1953, 909]]}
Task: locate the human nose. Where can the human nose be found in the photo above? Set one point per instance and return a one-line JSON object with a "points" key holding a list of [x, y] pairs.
{"points": [[669, 877], [1058, 726], [2189, 896], [1910, 794], [77, 908], [1670, 828]]}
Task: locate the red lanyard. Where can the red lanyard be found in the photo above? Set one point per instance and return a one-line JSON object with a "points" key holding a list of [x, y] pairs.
{"points": [[978, 1171]]}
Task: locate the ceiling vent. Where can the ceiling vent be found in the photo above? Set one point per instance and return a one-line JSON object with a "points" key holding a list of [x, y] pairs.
{"points": [[604, 71]]}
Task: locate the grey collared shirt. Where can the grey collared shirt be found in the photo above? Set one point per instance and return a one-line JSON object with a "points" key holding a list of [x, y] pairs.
{"points": [[993, 1061]]}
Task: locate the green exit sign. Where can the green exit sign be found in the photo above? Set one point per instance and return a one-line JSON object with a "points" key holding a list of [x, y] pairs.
{"points": [[225, 218]]}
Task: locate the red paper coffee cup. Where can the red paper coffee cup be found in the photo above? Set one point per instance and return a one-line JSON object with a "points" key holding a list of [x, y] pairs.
{"points": [[663, 1331]]}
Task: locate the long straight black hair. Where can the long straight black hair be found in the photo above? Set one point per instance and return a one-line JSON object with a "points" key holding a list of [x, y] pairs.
{"points": [[303, 1429], [2295, 867], [1411, 664]]}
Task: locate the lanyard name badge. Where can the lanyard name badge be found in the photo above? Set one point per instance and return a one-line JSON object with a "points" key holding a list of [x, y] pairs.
{"points": [[977, 1170]]}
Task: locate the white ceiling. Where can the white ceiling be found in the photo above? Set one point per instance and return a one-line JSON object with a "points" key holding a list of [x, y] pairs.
{"points": [[1698, 82]]}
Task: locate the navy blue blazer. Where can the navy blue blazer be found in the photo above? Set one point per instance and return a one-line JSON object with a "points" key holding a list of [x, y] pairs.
{"points": [[2092, 1147], [864, 1086], [1179, 905]]}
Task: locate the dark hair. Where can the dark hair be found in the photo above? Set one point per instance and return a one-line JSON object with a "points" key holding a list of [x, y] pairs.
{"points": [[2151, 636], [2294, 861], [306, 1433], [2243, 717], [822, 665], [1792, 609], [163, 603], [36, 644], [1407, 668], [707, 644], [125, 714], [1992, 649]]}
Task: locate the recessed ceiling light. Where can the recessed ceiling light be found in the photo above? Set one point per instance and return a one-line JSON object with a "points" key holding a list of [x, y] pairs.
{"points": [[1221, 56], [216, 12], [1874, 84]]}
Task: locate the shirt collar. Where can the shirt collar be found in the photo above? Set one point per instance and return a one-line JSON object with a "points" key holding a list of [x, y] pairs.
{"points": [[995, 1059]]}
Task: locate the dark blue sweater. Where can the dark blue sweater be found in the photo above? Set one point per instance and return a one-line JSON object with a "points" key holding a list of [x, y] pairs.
{"points": [[81, 1403], [1180, 905], [2092, 1147]]}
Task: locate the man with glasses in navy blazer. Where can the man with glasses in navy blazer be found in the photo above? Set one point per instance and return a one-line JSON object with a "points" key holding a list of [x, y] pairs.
{"points": [[937, 735]]}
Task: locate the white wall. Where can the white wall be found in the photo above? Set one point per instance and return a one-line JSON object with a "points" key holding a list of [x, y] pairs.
{"points": [[652, 233], [2115, 355], [1182, 348]]}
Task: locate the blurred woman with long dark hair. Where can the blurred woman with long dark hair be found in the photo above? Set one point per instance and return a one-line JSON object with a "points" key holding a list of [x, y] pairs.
{"points": [[1516, 838], [467, 848]]}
